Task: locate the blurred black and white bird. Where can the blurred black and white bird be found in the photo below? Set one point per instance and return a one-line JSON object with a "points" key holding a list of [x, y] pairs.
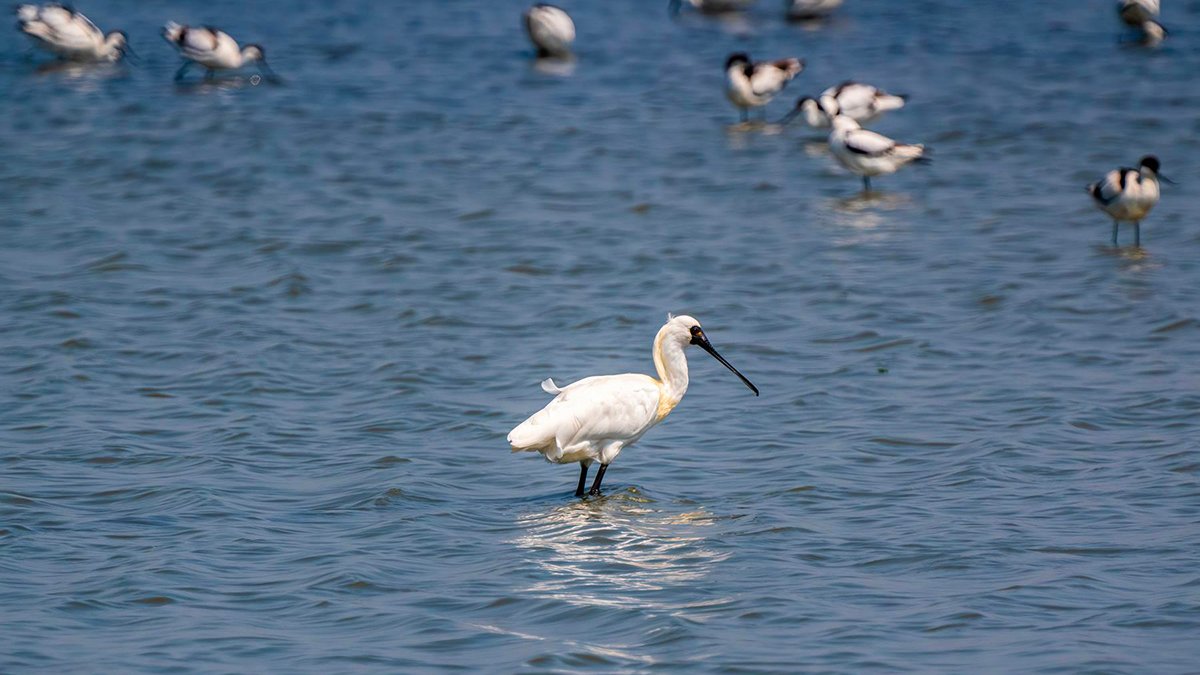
{"points": [[212, 48], [867, 153], [710, 6], [1143, 15], [860, 102], [69, 34], [753, 85], [550, 29], [810, 10]]}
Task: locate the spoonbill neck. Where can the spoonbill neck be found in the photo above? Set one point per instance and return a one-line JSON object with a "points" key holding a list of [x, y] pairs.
{"points": [[671, 364]]}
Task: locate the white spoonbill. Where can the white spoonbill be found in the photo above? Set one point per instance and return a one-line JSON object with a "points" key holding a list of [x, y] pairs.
{"points": [[1129, 194], [753, 85], [860, 102], [550, 29], [593, 419], [211, 48], [69, 34], [867, 153]]}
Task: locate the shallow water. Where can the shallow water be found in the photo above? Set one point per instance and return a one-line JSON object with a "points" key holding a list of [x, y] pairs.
{"points": [[261, 345]]}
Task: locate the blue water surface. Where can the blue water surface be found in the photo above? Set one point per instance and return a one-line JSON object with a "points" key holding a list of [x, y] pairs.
{"points": [[261, 343]]}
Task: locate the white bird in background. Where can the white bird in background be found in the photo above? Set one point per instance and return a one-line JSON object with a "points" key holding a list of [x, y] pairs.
{"points": [[712, 6], [1129, 194], [69, 34], [810, 10], [550, 29], [753, 85], [211, 48], [1143, 14], [593, 419], [860, 102], [867, 153]]}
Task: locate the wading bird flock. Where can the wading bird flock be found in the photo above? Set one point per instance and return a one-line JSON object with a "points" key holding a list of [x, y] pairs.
{"points": [[68, 34], [592, 420]]}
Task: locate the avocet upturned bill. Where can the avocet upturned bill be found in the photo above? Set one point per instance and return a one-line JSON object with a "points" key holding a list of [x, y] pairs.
{"points": [[753, 85], [860, 102], [593, 419], [810, 10], [211, 48], [69, 34], [1128, 194], [867, 153], [1143, 14], [550, 29], [711, 6]]}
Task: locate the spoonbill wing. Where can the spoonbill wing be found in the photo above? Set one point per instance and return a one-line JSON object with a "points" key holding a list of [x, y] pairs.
{"points": [[599, 409]]}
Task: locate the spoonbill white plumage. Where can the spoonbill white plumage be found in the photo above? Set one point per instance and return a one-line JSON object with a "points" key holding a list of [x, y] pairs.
{"points": [[753, 85], [69, 34], [1128, 194], [867, 153], [860, 102], [212, 48], [593, 419], [550, 29]]}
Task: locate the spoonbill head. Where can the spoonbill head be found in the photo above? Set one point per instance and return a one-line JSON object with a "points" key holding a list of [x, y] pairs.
{"points": [[593, 419]]}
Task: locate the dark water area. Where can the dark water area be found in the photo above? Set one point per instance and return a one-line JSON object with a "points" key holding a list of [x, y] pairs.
{"points": [[260, 346]]}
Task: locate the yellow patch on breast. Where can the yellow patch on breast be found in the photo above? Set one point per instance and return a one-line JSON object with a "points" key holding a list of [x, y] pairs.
{"points": [[665, 405]]}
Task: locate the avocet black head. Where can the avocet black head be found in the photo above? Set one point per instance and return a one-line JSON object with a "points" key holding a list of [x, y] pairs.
{"points": [[1150, 163], [797, 109], [253, 52], [739, 58]]}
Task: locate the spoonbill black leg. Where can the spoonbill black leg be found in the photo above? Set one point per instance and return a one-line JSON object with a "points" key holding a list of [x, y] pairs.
{"points": [[182, 69], [583, 467], [1115, 226], [866, 183], [1137, 234], [595, 491]]}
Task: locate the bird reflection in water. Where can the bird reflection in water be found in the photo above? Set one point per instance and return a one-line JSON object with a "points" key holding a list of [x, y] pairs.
{"points": [[227, 83], [558, 66], [84, 77], [610, 551]]}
